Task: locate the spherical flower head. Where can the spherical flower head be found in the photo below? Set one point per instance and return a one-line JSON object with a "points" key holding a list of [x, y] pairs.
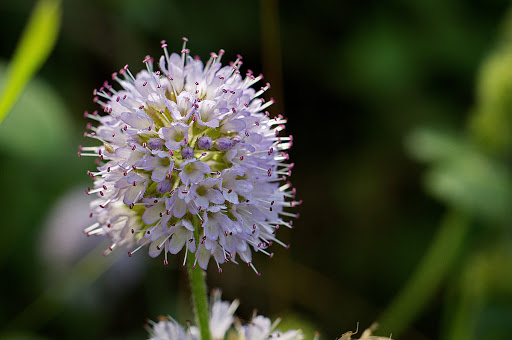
{"points": [[190, 161], [221, 323]]}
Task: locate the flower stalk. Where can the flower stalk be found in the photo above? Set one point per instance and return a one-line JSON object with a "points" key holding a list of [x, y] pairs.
{"points": [[197, 277]]}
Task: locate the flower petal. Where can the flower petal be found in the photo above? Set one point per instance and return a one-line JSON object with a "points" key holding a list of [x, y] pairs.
{"points": [[152, 214], [154, 250], [178, 240], [203, 256]]}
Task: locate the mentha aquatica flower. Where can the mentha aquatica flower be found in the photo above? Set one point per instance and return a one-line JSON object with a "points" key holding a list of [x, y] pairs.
{"points": [[190, 159], [221, 322]]}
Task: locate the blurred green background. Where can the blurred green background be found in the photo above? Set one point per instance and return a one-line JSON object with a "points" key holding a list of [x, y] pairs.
{"points": [[401, 114]]}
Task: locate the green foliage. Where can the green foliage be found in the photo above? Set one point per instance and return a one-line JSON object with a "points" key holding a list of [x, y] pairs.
{"points": [[473, 183], [491, 122], [439, 259], [432, 145], [468, 174], [366, 73], [33, 49], [480, 303], [461, 175]]}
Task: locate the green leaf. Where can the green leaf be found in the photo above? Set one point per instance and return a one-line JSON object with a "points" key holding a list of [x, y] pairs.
{"points": [[428, 145], [474, 183], [491, 120], [461, 175], [32, 51]]}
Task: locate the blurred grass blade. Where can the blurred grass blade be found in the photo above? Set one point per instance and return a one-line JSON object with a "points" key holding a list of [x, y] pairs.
{"points": [[33, 49], [443, 253]]}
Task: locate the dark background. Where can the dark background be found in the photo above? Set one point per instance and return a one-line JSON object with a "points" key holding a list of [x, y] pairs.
{"points": [[354, 78]]}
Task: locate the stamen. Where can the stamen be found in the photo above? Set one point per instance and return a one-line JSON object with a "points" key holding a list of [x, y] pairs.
{"points": [[130, 253]]}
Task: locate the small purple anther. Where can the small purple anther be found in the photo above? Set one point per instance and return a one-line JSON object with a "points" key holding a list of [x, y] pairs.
{"points": [[224, 144], [187, 152], [205, 143]]}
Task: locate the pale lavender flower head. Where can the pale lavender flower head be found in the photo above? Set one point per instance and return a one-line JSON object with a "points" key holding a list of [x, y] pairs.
{"points": [[221, 318], [222, 325], [261, 328], [190, 161]]}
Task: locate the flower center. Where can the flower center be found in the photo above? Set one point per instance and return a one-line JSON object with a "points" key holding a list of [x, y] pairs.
{"points": [[190, 167]]}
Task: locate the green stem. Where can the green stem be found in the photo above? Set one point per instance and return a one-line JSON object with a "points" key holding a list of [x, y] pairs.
{"points": [[467, 299], [442, 254], [197, 278]]}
